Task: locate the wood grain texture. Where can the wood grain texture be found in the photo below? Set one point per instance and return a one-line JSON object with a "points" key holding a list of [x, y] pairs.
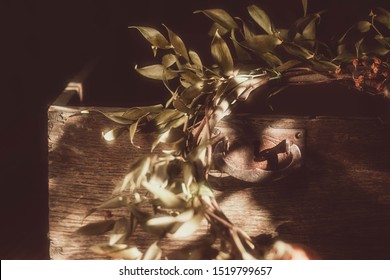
{"points": [[338, 204]]}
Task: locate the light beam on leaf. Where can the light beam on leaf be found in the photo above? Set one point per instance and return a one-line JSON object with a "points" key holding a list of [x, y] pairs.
{"points": [[113, 133]]}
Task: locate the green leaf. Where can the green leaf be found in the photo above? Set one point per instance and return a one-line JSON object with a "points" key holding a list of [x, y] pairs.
{"points": [[156, 72], [97, 228], [221, 54], [221, 17], [188, 174], [168, 60], [287, 65], [271, 59], [196, 61], [167, 198], [382, 16], [166, 116], [247, 31], [153, 252], [323, 65], [161, 221], [133, 130], [262, 43], [181, 106], [343, 54], [261, 18], [363, 26], [120, 232], [192, 92], [304, 4], [241, 53], [153, 36], [103, 249], [190, 77], [135, 113], [178, 44], [113, 116], [299, 25], [189, 227], [309, 33], [172, 135], [297, 50], [113, 133], [131, 253], [216, 27]]}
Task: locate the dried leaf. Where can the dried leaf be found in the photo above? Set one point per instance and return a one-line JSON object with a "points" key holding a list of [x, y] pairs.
{"points": [[153, 36], [299, 25], [197, 62], [185, 216], [161, 221], [113, 133], [261, 18], [221, 54], [181, 106], [103, 249], [168, 60], [287, 65], [271, 59], [309, 33], [217, 27], [131, 253], [297, 50], [241, 53], [190, 77], [382, 16], [363, 26], [188, 174], [156, 72], [324, 65], [166, 116], [304, 5], [189, 227], [115, 202], [172, 135], [178, 122], [153, 252], [178, 44], [97, 228], [192, 92], [262, 43], [135, 113], [133, 130], [221, 17], [166, 197], [120, 231]]}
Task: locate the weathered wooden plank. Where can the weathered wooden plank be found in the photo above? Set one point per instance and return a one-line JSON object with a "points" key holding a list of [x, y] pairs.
{"points": [[339, 204]]}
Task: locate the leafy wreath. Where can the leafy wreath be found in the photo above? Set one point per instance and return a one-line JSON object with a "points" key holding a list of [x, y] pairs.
{"points": [[168, 194]]}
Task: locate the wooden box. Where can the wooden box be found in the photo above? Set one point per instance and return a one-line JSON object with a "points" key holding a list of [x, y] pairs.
{"points": [[337, 204]]}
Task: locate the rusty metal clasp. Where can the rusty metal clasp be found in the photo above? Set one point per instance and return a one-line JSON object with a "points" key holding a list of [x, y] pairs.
{"points": [[274, 155]]}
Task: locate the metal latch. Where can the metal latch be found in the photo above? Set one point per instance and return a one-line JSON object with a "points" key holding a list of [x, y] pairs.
{"points": [[273, 155]]}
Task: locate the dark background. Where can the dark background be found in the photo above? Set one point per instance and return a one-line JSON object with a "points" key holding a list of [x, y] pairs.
{"points": [[45, 44]]}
